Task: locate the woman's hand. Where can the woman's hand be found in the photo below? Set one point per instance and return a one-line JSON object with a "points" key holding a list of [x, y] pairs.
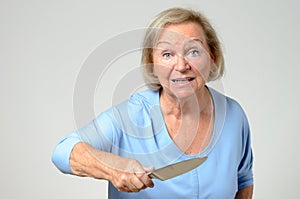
{"points": [[126, 174]]}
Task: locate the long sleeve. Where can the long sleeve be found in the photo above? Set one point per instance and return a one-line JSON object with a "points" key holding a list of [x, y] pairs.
{"points": [[245, 175], [62, 151], [92, 133]]}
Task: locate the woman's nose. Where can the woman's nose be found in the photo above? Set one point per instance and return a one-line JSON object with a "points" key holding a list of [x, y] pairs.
{"points": [[182, 65]]}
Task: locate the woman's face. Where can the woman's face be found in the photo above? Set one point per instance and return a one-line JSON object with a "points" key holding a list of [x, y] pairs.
{"points": [[182, 60]]}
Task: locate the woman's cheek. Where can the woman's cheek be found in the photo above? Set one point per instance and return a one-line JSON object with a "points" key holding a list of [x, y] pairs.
{"points": [[203, 68]]}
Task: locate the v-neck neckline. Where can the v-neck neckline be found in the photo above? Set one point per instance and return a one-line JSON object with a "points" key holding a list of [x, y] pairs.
{"points": [[219, 115]]}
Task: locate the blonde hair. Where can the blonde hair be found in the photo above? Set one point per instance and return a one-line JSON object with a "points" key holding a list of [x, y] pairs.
{"points": [[178, 16]]}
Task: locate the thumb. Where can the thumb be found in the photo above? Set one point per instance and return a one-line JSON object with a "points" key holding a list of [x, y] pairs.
{"points": [[149, 169]]}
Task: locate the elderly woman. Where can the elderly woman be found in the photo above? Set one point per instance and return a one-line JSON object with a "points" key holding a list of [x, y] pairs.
{"points": [[176, 119]]}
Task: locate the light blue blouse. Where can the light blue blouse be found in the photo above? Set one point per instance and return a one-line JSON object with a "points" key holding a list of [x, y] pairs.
{"points": [[136, 129]]}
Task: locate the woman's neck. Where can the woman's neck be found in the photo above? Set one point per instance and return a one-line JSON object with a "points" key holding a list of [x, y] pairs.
{"points": [[188, 107]]}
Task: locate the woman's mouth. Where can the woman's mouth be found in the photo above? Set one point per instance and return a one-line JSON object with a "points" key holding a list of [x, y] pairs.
{"points": [[182, 81]]}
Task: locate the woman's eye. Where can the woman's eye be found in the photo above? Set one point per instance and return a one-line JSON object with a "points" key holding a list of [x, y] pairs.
{"points": [[166, 55], [194, 52]]}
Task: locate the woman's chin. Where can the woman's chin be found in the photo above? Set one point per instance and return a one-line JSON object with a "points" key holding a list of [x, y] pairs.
{"points": [[183, 94]]}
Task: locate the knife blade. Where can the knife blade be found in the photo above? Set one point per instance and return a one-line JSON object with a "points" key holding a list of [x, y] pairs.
{"points": [[176, 169]]}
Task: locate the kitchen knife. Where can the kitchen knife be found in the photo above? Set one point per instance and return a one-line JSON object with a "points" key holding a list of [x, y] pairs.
{"points": [[176, 169]]}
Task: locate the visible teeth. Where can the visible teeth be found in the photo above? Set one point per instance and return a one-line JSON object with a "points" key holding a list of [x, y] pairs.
{"points": [[182, 80]]}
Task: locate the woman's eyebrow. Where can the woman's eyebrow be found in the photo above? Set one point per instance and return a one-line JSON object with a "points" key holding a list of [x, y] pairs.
{"points": [[189, 42], [193, 40], [162, 42]]}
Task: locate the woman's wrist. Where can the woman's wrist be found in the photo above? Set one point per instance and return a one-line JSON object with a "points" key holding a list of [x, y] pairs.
{"points": [[86, 161]]}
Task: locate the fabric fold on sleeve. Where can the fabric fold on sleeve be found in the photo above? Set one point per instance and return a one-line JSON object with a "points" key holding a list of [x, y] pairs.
{"points": [[62, 152]]}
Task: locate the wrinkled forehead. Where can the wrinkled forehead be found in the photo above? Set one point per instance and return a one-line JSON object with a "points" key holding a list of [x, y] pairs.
{"points": [[174, 38]]}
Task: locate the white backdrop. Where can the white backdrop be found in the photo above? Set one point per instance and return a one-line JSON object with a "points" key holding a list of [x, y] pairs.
{"points": [[44, 44]]}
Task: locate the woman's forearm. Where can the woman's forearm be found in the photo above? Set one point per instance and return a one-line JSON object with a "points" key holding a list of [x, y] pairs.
{"points": [[86, 161], [124, 173], [245, 193]]}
